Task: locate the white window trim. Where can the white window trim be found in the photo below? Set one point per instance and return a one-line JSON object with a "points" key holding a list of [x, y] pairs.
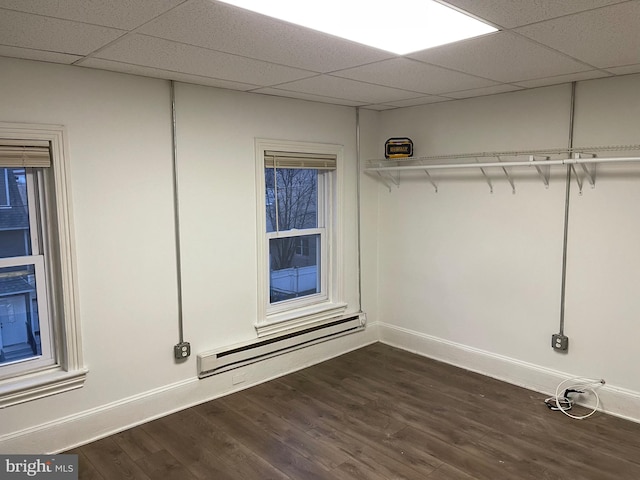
{"points": [[6, 191], [313, 311], [69, 372]]}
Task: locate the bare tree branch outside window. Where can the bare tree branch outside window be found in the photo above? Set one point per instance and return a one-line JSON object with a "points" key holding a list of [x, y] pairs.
{"points": [[292, 205]]}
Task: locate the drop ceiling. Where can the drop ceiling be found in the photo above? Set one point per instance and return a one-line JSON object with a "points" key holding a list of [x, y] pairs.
{"points": [[539, 42]]}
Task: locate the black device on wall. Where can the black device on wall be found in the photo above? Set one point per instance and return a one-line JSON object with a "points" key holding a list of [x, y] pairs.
{"points": [[398, 147]]}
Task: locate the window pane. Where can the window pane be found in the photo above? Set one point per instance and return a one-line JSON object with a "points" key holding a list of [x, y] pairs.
{"points": [[291, 198], [4, 188], [294, 267], [270, 198], [19, 325], [15, 238]]}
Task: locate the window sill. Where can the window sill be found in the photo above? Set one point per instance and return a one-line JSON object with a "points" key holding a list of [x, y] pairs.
{"points": [[299, 319], [38, 385]]}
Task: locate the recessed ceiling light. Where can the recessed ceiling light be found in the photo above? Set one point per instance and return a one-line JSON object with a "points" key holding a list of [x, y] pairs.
{"points": [[400, 26]]}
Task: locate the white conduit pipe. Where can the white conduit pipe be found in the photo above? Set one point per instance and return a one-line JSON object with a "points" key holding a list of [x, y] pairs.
{"points": [[565, 161], [176, 209], [567, 200], [359, 208]]}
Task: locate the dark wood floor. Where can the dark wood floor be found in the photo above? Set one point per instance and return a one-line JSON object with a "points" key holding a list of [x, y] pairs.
{"points": [[376, 413]]}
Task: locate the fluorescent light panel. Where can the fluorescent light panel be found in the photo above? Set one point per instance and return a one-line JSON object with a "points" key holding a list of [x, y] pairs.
{"points": [[400, 26]]}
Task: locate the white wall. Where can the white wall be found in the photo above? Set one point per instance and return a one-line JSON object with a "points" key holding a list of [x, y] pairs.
{"points": [[216, 131], [474, 278], [119, 131], [463, 275]]}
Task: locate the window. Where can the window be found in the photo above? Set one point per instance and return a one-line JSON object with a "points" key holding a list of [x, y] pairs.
{"points": [[299, 234], [24, 343], [294, 220], [39, 335]]}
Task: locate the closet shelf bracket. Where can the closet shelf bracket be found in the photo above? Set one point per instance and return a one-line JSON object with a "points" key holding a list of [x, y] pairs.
{"points": [[395, 179], [435, 185], [543, 170], [589, 172], [509, 179], [486, 177]]}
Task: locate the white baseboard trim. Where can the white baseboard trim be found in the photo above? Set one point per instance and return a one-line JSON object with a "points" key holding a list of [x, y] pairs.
{"points": [[96, 423], [615, 401]]}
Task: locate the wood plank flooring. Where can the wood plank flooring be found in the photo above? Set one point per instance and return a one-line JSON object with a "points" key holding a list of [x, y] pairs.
{"points": [[376, 413]]}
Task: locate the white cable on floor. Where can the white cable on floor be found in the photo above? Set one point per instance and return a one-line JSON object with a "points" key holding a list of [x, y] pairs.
{"points": [[586, 385]]}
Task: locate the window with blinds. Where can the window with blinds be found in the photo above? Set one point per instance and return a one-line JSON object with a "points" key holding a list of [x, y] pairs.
{"points": [[25, 329], [296, 215], [298, 243], [40, 344]]}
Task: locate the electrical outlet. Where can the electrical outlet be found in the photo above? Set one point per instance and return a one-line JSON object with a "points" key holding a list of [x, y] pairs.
{"points": [[559, 342], [182, 350]]}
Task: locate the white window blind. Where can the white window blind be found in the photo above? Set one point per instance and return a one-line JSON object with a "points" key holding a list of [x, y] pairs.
{"points": [[14, 154], [311, 161]]}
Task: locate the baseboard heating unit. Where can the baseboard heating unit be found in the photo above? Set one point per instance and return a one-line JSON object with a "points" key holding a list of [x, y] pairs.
{"points": [[221, 360]]}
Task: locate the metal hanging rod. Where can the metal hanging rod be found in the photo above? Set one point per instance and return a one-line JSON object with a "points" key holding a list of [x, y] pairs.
{"points": [[530, 163]]}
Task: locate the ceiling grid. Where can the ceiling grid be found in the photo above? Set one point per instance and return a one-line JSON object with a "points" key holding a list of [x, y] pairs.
{"points": [[205, 42]]}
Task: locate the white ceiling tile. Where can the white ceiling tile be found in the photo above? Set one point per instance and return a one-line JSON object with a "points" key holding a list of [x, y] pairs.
{"points": [[168, 75], [124, 14], [503, 56], [625, 70], [306, 96], [329, 86], [514, 13], [415, 76], [19, 29], [229, 29], [208, 42], [574, 77], [177, 57], [39, 55], [607, 37], [478, 92]]}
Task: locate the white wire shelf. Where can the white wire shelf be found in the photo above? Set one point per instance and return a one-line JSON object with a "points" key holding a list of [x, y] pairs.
{"points": [[388, 170]]}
